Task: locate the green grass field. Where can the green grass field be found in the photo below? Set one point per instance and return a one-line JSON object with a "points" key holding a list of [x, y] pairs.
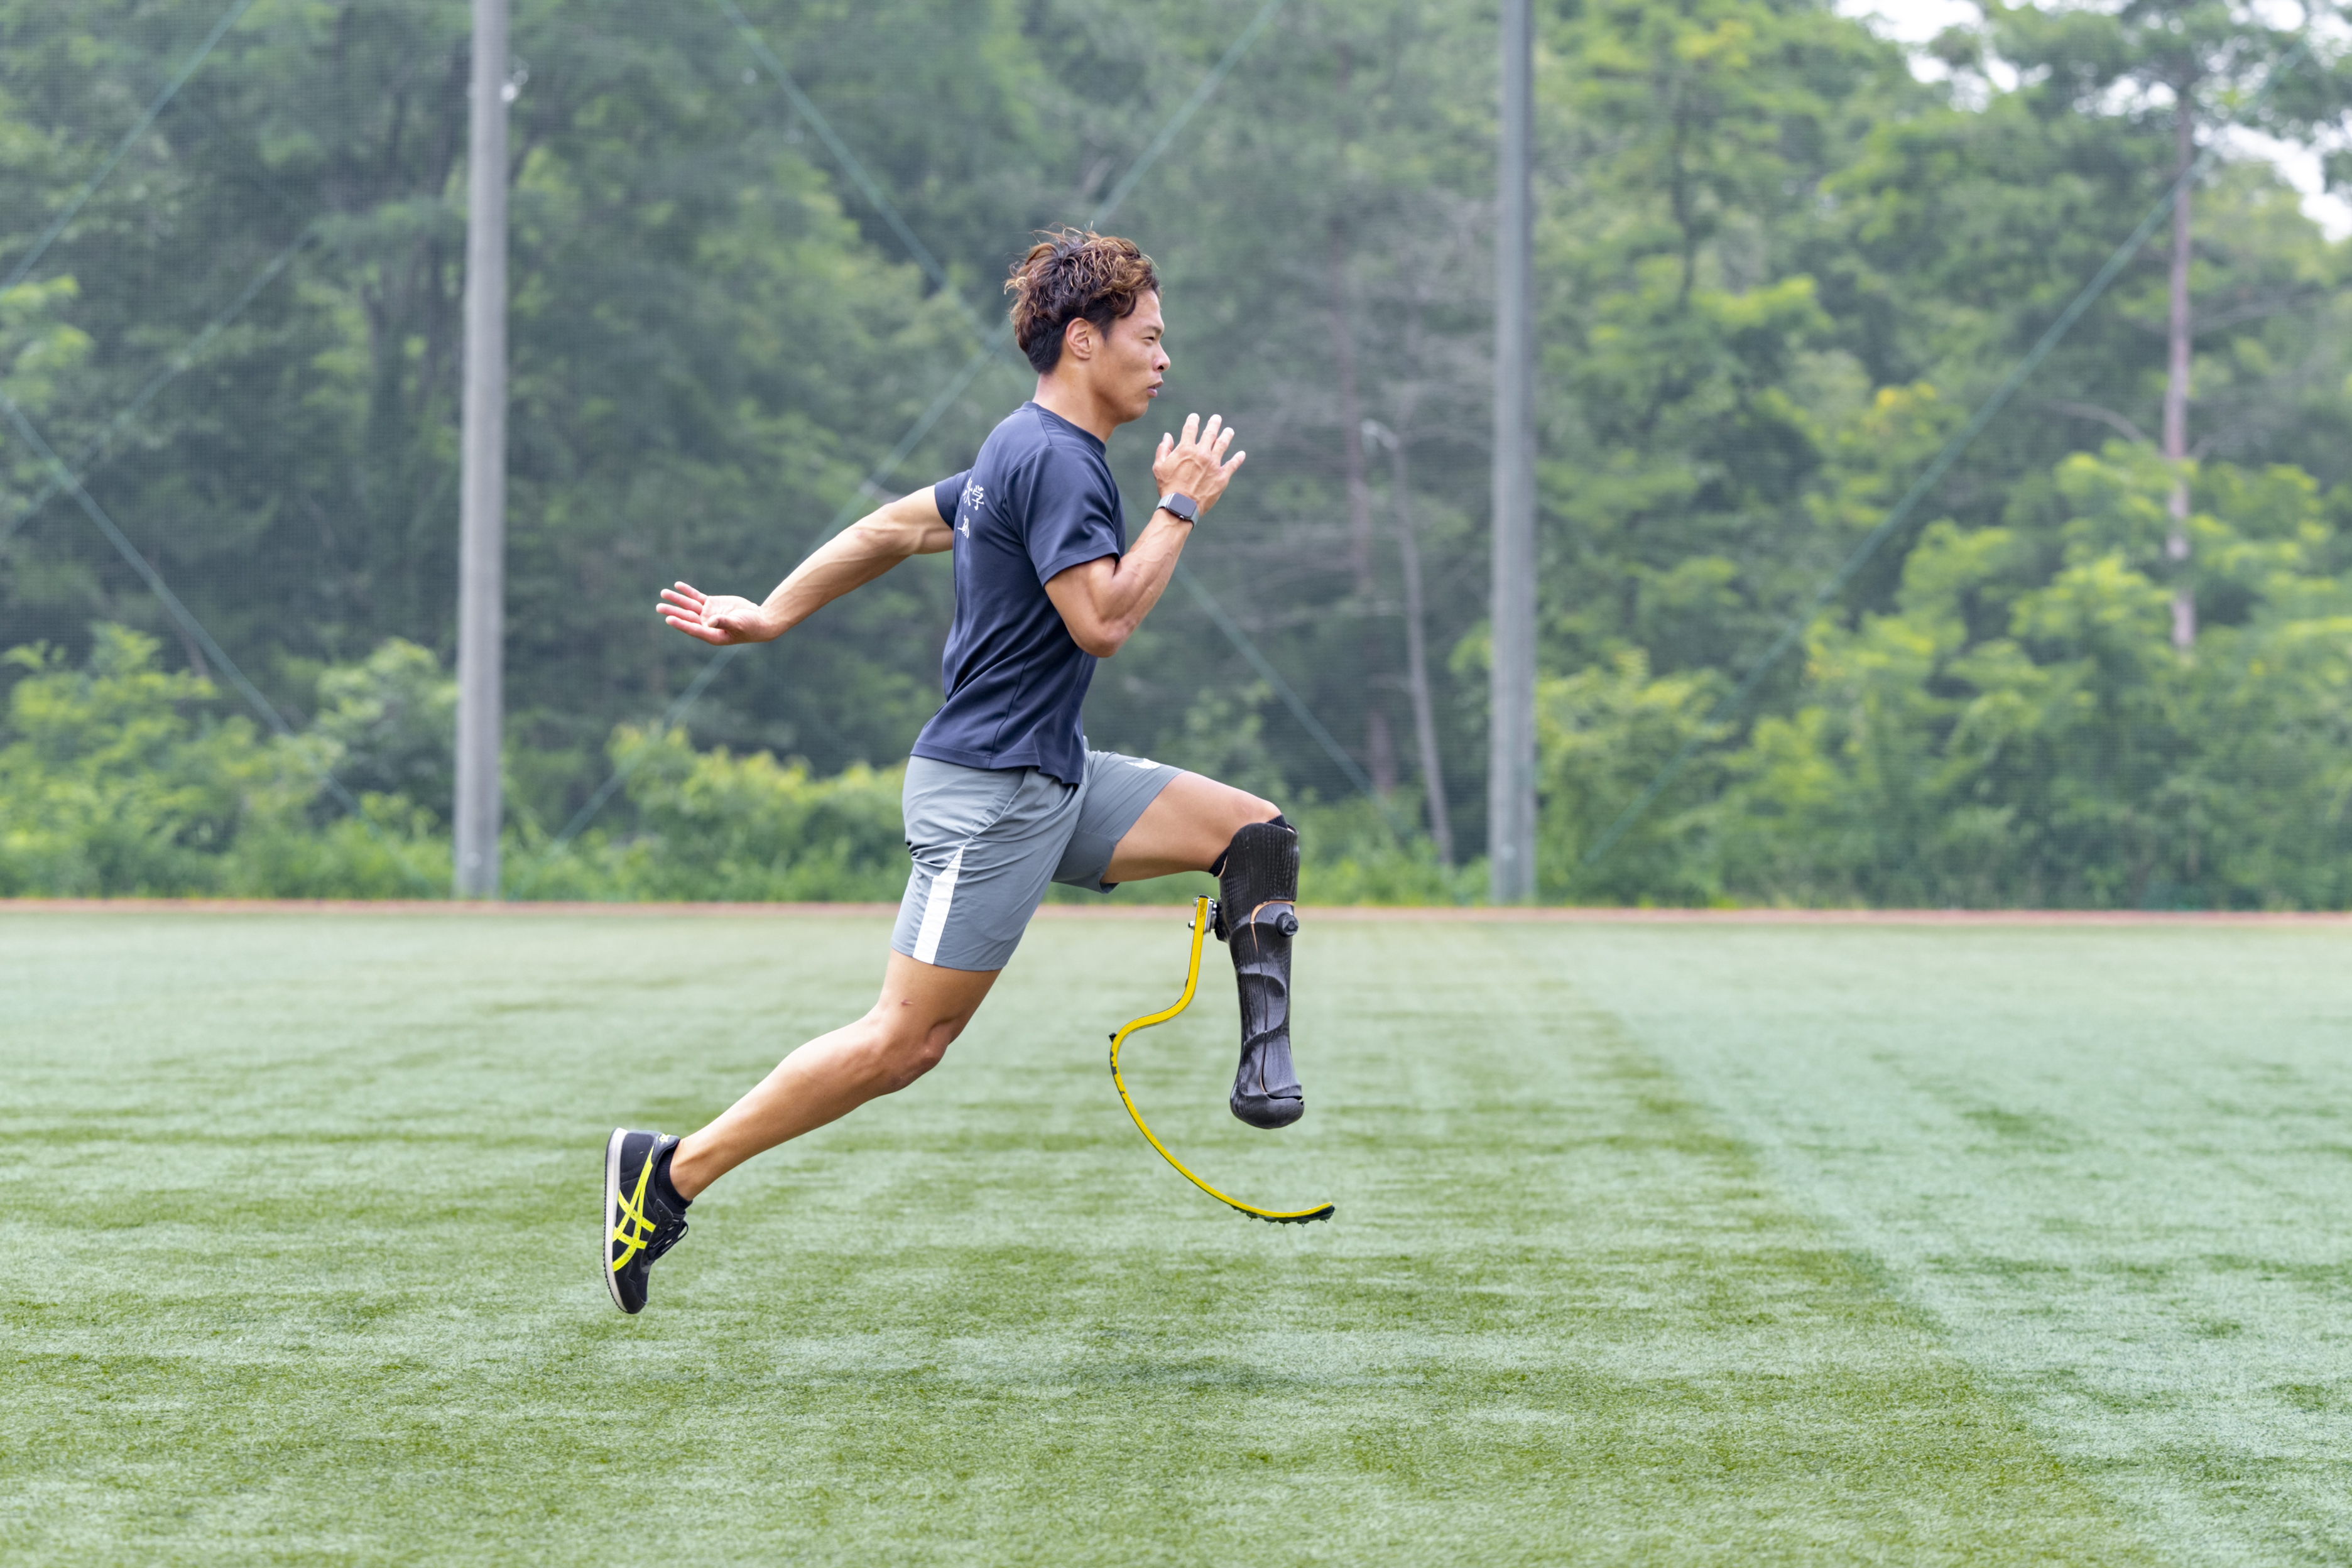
{"points": [[1654, 1244]]}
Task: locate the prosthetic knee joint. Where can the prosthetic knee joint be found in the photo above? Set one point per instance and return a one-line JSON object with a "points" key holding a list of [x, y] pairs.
{"points": [[1257, 888]]}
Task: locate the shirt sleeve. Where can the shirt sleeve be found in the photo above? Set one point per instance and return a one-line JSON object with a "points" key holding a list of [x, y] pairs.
{"points": [[946, 494], [1073, 515]]}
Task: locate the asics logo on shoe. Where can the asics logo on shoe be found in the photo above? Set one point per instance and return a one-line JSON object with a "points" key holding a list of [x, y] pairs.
{"points": [[633, 1230], [643, 1217]]}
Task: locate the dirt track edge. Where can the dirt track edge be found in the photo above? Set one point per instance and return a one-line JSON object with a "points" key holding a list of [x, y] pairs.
{"points": [[1561, 915]]}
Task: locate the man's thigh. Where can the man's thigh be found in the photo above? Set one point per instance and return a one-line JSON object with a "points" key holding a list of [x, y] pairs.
{"points": [[984, 843], [1185, 828], [1119, 790]]}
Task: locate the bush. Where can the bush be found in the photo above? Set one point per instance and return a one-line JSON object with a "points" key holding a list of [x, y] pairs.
{"points": [[714, 826], [1603, 735], [116, 779], [2021, 731]]}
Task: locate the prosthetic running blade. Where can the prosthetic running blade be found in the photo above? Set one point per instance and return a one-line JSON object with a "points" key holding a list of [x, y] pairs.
{"points": [[1192, 982]]}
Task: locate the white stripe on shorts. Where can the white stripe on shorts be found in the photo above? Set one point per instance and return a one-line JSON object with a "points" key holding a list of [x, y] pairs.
{"points": [[935, 910]]}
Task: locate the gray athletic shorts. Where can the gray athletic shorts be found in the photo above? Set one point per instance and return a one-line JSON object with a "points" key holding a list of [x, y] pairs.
{"points": [[987, 840]]}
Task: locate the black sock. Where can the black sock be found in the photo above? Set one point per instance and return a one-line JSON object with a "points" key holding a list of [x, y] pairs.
{"points": [[662, 1187]]}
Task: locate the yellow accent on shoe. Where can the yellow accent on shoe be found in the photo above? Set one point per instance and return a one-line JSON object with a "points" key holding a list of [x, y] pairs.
{"points": [[1192, 982], [632, 1213]]}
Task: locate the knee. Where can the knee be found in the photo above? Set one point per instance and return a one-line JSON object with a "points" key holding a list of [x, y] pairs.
{"points": [[901, 1054], [1244, 810]]}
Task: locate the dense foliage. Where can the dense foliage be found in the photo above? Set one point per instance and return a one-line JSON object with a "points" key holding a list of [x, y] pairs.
{"points": [[1777, 270], [121, 777]]}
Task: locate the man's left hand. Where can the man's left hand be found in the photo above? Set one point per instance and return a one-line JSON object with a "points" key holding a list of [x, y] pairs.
{"points": [[1196, 465]]}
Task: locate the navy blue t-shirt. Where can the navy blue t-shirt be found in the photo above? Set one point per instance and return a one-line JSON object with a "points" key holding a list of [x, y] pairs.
{"points": [[1038, 500]]}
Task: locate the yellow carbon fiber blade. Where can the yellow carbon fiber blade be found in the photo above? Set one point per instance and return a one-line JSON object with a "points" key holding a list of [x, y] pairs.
{"points": [[1191, 983]]}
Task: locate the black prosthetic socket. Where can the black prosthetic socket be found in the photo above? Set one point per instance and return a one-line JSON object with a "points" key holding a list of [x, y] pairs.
{"points": [[1257, 888]]}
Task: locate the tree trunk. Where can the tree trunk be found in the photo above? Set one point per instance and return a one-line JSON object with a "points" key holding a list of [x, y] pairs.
{"points": [[2176, 382], [1416, 659], [188, 645], [1380, 748]]}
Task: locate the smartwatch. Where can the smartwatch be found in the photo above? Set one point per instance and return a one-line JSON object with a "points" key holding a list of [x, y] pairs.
{"points": [[1179, 504]]}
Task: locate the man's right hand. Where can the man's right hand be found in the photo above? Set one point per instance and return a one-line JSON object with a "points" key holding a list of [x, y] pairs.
{"points": [[911, 525], [717, 618]]}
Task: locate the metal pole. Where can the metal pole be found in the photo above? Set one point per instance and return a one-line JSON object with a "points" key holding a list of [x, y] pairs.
{"points": [[481, 528], [2180, 341], [1511, 765]]}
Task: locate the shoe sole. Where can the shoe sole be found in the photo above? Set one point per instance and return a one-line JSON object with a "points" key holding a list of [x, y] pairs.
{"points": [[612, 1202]]}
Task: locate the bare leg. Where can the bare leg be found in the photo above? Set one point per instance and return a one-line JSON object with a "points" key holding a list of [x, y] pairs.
{"points": [[922, 1009], [1185, 829]]}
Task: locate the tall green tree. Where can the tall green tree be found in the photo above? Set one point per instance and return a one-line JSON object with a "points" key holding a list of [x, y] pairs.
{"points": [[1778, 271], [1696, 372], [2204, 65]]}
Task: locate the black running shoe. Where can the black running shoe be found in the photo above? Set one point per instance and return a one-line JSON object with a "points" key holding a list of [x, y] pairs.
{"points": [[639, 1225]]}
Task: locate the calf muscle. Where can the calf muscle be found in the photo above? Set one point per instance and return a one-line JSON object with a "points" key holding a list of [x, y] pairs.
{"points": [[921, 1010]]}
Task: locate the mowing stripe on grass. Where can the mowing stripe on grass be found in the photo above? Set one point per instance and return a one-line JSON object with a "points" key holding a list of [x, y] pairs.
{"points": [[2112, 1166], [300, 1214]]}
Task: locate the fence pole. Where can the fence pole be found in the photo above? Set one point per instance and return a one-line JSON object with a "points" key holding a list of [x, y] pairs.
{"points": [[481, 528], [1511, 765]]}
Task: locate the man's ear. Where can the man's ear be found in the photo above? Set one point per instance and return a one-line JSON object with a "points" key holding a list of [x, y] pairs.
{"points": [[1079, 340]]}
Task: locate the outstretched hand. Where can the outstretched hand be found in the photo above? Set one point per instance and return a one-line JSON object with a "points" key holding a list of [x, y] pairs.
{"points": [[716, 618], [1196, 465]]}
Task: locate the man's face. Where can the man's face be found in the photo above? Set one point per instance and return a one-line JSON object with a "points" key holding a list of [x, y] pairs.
{"points": [[1128, 366]]}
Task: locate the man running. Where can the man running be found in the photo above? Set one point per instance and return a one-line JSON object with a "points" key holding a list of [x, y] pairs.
{"points": [[1003, 796]]}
